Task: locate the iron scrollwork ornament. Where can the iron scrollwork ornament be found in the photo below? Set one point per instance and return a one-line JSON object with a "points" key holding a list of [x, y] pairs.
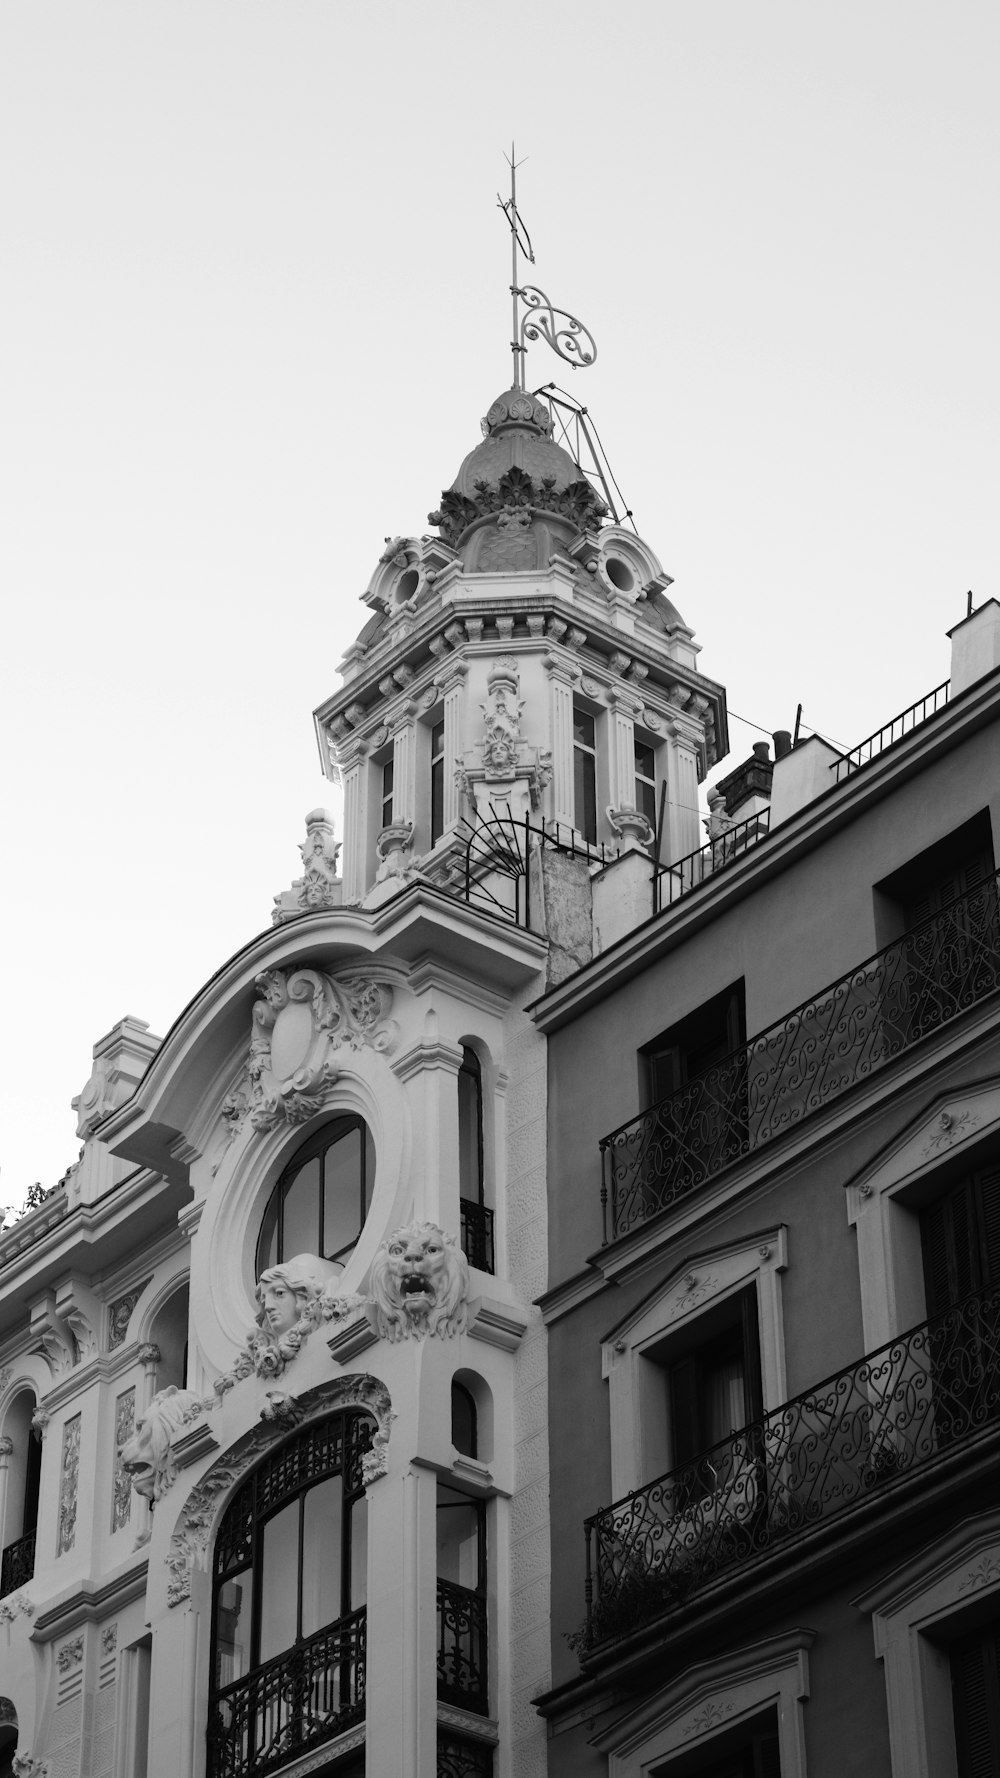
{"points": [[562, 331]]}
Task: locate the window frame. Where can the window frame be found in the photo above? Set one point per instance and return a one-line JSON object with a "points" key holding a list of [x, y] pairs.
{"points": [[585, 752], [436, 811], [318, 1143]]}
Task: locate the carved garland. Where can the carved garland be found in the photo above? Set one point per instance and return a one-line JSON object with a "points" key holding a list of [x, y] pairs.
{"points": [[190, 1540]]}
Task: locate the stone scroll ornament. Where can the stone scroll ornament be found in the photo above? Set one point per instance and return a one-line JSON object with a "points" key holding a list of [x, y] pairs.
{"points": [[301, 1021]]}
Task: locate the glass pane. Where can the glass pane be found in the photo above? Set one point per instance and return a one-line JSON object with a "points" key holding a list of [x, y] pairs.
{"points": [[300, 1232], [463, 1421], [583, 728], [321, 1541], [359, 1553], [233, 1627], [645, 801], [470, 1184], [585, 794], [342, 1193], [369, 1168], [437, 740], [457, 1538], [267, 1243], [644, 761], [279, 1582]]}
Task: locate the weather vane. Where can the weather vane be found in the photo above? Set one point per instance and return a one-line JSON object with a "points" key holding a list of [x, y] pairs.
{"points": [[563, 332]]}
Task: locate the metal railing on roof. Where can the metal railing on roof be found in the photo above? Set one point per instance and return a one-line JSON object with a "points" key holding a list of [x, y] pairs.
{"points": [[671, 882], [891, 732], [848, 1439], [856, 1025]]}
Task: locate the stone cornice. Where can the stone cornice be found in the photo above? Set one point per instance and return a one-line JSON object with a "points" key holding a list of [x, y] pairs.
{"points": [[88, 1604]]}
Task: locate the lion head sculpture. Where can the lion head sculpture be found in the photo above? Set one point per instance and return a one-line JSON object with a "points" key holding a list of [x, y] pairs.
{"points": [[148, 1456], [420, 1283]]}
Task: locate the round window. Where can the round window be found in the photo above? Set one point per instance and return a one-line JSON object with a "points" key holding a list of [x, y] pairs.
{"points": [[619, 574], [321, 1200]]}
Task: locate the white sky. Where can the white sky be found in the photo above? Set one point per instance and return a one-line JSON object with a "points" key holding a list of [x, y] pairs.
{"points": [[254, 302]]}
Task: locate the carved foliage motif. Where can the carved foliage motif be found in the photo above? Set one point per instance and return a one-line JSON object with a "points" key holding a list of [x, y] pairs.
{"points": [[68, 1483], [189, 1542], [302, 1019], [420, 1283], [120, 1314], [124, 1428], [515, 489]]}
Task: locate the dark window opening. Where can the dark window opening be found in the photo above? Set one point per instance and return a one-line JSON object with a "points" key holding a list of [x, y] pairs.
{"points": [[437, 782], [322, 1198], [975, 1686], [388, 776], [737, 1754], [464, 1421], [928, 883], [585, 775], [695, 1044], [714, 1383], [960, 1242], [477, 1217]]}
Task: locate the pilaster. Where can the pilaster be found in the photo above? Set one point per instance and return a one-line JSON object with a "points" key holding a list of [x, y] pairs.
{"points": [[561, 677], [454, 738]]}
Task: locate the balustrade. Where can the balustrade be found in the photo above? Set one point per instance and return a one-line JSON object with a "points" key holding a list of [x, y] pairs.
{"points": [[846, 1441], [854, 1027], [290, 1704]]}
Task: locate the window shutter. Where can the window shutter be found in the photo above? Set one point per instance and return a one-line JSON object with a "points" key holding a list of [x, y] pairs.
{"points": [[976, 1700], [753, 1390], [989, 1199], [768, 1761], [949, 1230]]}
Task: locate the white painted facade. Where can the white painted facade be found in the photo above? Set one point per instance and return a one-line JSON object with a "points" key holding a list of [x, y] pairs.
{"points": [[137, 1275]]}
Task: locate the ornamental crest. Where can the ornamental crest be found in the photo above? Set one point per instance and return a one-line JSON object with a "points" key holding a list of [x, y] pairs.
{"points": [[301, 1021], [502, 737]]}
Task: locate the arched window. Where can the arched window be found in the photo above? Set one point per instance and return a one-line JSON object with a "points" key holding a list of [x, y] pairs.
{"points": [[288, 1636], [477, 1218], [17, 1563], [321, 1200], [464, 1421]]}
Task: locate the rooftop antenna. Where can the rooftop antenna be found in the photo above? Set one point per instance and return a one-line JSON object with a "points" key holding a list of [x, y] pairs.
{"points": [[562, 331]]}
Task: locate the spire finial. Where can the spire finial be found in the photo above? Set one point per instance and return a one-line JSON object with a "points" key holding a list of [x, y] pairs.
{"points": [[562, 331]]}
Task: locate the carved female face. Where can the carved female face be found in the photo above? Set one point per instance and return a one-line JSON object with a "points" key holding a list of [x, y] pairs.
{"points": [[280, 1306]]}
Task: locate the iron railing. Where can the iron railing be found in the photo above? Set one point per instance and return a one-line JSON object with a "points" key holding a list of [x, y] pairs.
{"points": [[458, 1756], [291, 1704], [462, 1666], [854, 1027], [17, 1565], [496, 873], [671, 882], [477, 1234], [850, 1438], [890, 733]]}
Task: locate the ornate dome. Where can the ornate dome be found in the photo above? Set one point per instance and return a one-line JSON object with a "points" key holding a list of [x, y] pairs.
{"points": [[518, 431], [518, 465]]}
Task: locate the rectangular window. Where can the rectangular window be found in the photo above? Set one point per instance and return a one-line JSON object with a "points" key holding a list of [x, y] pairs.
{"points": [[437, 782], [388, 772], [645, 782], [714, 1385], [584, 775]]}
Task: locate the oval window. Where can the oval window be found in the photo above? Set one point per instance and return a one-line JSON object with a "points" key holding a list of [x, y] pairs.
{"points": [[322, 1198]]}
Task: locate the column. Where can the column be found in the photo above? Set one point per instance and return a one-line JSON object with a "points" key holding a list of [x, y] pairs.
{"points": [[355, 860], [621, 762], [683, 824], [404, 778]]}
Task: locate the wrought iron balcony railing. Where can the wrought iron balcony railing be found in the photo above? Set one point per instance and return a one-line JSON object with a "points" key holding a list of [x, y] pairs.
{"points": [[291, 1704], [849, 1439], [891, 732], [477, 1234], [462, 1664], [672, 882], [17, 1565], [858, 1024]]}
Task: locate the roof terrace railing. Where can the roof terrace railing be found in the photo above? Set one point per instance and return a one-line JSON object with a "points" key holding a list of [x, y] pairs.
{"points": [[848, 1031], [891, 732], [671, 882], [851, 1437]]}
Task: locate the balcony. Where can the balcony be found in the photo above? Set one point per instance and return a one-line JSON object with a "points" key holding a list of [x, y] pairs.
{"points": [[856, 1026], [462, 1665], [846, 1443], [291, 1704], [17, 1565], [477, 1234]]}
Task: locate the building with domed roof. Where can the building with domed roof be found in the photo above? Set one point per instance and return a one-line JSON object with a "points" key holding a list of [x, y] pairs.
{"points": [[274, 1465]]}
